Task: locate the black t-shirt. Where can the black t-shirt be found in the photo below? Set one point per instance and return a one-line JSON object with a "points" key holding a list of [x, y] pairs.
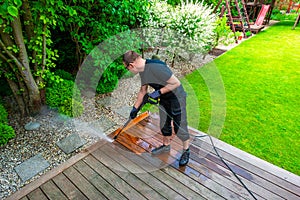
{"points": [[156, 74]]}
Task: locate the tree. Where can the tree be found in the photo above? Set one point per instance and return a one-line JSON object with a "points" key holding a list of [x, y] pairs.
{"points": [[25, 54], [91, 22]]}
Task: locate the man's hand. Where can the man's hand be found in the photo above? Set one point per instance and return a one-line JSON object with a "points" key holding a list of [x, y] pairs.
{"points": [[133, 112], [155, 95]]}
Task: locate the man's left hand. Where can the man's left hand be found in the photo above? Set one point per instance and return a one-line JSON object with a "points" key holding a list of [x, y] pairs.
{"points": [[155, 95]]}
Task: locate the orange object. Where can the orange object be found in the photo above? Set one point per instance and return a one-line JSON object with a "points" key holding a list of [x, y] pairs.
{"points": [[130, 124], [130, 141]]}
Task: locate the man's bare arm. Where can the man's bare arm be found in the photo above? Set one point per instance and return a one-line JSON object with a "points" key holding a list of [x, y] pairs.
{"points": [[172, 83], [140, 95]]}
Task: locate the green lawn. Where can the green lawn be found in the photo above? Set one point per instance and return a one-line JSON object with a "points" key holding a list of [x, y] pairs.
{"points": [[261, 78]]}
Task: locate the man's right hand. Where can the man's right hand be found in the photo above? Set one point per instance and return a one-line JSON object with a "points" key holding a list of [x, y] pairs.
{"points": [[133, 112]]}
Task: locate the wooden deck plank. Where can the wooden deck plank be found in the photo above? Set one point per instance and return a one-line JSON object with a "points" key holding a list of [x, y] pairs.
{"points": [[254, 174], [231, 195], [88, 189], [175, 139], [112, 176], [223, 186], [266, 193], [37, 194], [222, 176], [209, 175], [243, 172], [179, 186], [142, 174], [292, 180], [100, 183], [231, 184], [212, 185], [52, 191], [271, 187], [197, 187], [67, 187], [132, 171]]}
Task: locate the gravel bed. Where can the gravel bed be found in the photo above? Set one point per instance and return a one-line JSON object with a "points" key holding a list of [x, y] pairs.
{"points": [[55, 127]]}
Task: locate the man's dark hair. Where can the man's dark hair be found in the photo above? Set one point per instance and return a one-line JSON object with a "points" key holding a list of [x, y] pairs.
{"points": [[129, 57]]}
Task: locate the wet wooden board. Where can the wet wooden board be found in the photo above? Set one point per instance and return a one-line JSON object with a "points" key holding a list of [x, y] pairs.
{"points": [[52, 191], [37, 194], [194, 178], [128, 138], [125, 169], [246, 176], [67, 187], [257, 176]]}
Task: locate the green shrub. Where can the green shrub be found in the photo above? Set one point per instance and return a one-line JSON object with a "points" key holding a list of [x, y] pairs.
{"points": [[177, 2], [223, 33], [189, 26], [110, 77], [71, 108], [51, 79], [173, 2], [3, 115], [60, 95], [6, 133], [64, 75], [281, 16]]}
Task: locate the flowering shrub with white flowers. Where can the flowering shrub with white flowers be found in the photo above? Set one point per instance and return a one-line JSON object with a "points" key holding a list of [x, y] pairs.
{"points": [[189, 26]]}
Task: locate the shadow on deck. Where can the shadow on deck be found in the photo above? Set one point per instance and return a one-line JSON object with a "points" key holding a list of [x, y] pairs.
{"points": [[125, 169]]}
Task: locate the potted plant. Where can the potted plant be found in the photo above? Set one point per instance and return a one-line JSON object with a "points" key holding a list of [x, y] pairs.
{"points": [[248, 33], [239, 35]]}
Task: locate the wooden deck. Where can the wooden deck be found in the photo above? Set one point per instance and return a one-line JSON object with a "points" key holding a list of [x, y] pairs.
{"points": [[114, 171]]}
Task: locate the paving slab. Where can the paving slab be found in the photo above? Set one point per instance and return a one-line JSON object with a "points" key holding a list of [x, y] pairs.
{"points": [[31, 167], [71, 143], [103, 123], [105, 101], [124, 111]]}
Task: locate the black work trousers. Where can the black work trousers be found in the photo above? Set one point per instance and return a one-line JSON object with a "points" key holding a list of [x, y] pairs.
{"points": [[174, 109]]}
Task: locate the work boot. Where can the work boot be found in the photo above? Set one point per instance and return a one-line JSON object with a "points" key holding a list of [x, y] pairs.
{"points": [[161, 149], [184, 159]]}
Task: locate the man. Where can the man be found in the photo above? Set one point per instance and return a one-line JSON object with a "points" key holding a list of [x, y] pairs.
{"points": [[171, 95]]}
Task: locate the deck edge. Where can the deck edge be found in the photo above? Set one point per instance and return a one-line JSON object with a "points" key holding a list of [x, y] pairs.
{"points": [[260, 163]]}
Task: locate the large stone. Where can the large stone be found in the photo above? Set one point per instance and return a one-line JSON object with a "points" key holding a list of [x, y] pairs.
{"points": [[32, 126], [124, 111], [104, 101], [71, 143], [31, 167]]}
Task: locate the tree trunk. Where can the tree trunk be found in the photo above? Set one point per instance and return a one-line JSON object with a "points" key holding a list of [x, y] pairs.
{"points": [[33, 90], [14, 87], [27, 17]]}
